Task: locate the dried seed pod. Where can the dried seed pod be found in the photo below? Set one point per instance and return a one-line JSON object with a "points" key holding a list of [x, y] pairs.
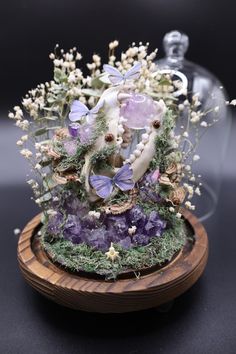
{"points": [[177, 196], [120, 208], [53, 154], [164, 179], [109, 137], [172, 168], [156, 124], [61, 134]]}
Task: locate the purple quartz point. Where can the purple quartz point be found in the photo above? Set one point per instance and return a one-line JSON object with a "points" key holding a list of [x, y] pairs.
{"points": [[138, 110], [72, 229], [137, 216], [98, 239], [117, 225], [54, 224], [141, 239], [155, 225]]}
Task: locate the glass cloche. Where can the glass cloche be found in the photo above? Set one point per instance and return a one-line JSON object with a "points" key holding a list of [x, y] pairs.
{"points": [[208, 93]]}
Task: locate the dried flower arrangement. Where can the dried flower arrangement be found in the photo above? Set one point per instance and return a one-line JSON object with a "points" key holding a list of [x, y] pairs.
{"points": [[111, 170]]}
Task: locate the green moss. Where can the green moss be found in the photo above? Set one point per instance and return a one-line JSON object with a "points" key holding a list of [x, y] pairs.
{"points": [[162, 143], [83, 257], [100, 159]]}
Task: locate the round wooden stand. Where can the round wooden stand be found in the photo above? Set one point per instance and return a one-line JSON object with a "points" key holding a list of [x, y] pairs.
{"points": [[118, 296]]}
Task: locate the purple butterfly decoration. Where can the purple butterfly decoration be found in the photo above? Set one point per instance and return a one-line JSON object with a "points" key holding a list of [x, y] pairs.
{"points": [[104, 185], [79, 110], [116, 77]]}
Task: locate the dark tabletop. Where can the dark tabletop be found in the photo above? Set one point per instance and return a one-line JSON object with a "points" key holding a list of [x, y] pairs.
{"points": [[203, 320]]}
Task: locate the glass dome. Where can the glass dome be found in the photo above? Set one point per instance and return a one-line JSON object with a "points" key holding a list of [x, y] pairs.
{"points": [[210, 95]]}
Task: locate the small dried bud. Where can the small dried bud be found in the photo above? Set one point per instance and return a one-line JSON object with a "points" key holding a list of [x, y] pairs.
{"points": [[109, 137]]}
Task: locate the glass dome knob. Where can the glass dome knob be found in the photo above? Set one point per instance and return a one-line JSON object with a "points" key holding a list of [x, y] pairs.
{"points": [[175, 45]]}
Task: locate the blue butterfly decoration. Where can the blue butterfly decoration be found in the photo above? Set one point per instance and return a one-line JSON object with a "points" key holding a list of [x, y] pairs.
{"points": [[116, 77], [104, 185]]}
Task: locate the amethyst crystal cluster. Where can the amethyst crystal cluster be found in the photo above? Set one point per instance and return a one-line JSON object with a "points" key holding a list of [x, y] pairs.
{"points": [[74, 222]]}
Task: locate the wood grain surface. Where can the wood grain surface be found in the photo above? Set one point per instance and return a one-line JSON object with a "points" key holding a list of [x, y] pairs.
{"points": [[118, 296]]}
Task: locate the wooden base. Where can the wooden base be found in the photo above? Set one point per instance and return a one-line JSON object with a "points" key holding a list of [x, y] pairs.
{"points": [[124, 295]]}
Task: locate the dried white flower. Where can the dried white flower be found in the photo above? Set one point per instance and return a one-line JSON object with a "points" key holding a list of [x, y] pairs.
{"points": [[38, 166], [52, 56], [204, 124], [196, 157], [26, 153], [132, 230], [24, 138], [58, 62], [11, 115], [95, 214], [16, 231], [112, 253], [51, 212], [78, 56], [233, 102], [189, 205], [187, 168]]}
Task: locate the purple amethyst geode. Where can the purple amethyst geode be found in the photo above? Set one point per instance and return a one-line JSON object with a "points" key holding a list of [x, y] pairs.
{"points": [[130, 229]]}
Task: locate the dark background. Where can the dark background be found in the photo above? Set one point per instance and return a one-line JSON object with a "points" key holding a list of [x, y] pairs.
{"points": [[30, 29], [204, 319]]}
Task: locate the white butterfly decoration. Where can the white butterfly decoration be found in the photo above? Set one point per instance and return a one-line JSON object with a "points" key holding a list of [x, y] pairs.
{"points": [[79, 110], [115, 76]]}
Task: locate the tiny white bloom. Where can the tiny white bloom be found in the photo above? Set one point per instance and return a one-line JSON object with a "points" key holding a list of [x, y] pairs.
{"points": [[19, 143], [178, 215], [26, 153], [52, 56], [132, 230], [197, 191], [16, 231], [11, 115], [171, 209], [233, 102], [95, 214], [196, 157], [24, 138], [204, 124], [185, 134], [38, 155], [58, 62], [38, 166]]}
